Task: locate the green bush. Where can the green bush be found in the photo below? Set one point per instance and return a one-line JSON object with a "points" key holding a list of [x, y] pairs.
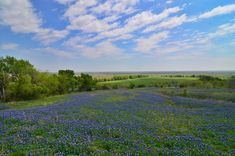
{"points": [[115, 86], [141, 86], [19, 80], [131, 86], [105, 87], [231, 82], [185, 93]]}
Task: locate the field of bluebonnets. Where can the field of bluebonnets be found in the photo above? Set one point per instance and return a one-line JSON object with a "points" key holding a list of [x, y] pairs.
{"points": [[121, 122]]}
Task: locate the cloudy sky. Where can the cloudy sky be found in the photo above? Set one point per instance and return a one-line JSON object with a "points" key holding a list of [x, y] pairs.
{"points": [[120, 35]]}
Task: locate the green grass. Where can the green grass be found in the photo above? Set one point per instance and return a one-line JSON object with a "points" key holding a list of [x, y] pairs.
{"points": [[150, 81], [35, 103]]}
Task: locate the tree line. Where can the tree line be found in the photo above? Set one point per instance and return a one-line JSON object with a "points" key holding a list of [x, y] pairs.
{"points": [[19, 80], [121, 77]]}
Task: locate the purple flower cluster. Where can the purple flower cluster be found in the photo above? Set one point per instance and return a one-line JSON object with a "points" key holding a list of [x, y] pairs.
{"points": [[143, 124]]}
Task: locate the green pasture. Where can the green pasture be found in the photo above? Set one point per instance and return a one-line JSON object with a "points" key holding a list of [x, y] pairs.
{"points": [[150, 81]]}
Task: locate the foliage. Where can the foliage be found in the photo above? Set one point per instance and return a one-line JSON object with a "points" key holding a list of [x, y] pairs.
{"points": [[67, 81], [103, 87], [231, 82], [120, 77], [212, 82], [206, 78], [86, 82], [115, 86], [185, 92], [19, 80], [131, 86]]}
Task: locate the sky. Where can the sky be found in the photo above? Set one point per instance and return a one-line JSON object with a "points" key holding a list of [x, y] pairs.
{"points": [[120, 35]]}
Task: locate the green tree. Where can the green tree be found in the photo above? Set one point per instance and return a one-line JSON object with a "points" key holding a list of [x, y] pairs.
{"points": [[49, 83], [67, 81], [13, 72], [86, 82], [4, 78], [231, 82], [131, 86]]}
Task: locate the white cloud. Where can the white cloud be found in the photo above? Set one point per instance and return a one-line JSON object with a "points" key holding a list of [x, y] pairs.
{"points": [[9, 46], [232, 43], [115, 7], [149, 44], [147, 17], [100, 22], [136, 22], [101, 50], [223, 30], [88, 23], [48, 36], [169, 1], [79, 8], [101, 18], [184, 56], [220, 10], [20, 16], [83, 15], [55, 52], [168, 23], [112, 18], [64, 1]]}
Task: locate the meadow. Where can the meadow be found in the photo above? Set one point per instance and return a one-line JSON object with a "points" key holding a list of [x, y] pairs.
{"points": [[150, 81], [141, 121]]}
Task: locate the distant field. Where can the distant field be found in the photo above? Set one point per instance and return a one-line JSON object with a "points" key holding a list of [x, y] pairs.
{"points": [[144, 121], [222, 74], [150, 81]]}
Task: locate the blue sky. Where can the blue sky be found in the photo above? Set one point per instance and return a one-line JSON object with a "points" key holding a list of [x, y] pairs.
{"points": [[120, 35]]}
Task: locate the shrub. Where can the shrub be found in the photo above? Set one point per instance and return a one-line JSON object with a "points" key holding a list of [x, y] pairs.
{"points": [[131, 86], [231, 82], [104, 87], [156, 85], [185, 93], [141, 86], [86, 82], [183, 85], [115, 86]]}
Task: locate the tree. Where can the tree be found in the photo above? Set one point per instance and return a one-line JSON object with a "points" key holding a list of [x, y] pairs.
{"points": [[210, 81], [3, 79], [131, 86], [86, 82], [49, 83], [67, 81], [13, 74], [231, 82]]}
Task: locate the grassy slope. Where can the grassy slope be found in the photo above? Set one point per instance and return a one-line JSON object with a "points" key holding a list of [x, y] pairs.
{"points": [[34, 103]]}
